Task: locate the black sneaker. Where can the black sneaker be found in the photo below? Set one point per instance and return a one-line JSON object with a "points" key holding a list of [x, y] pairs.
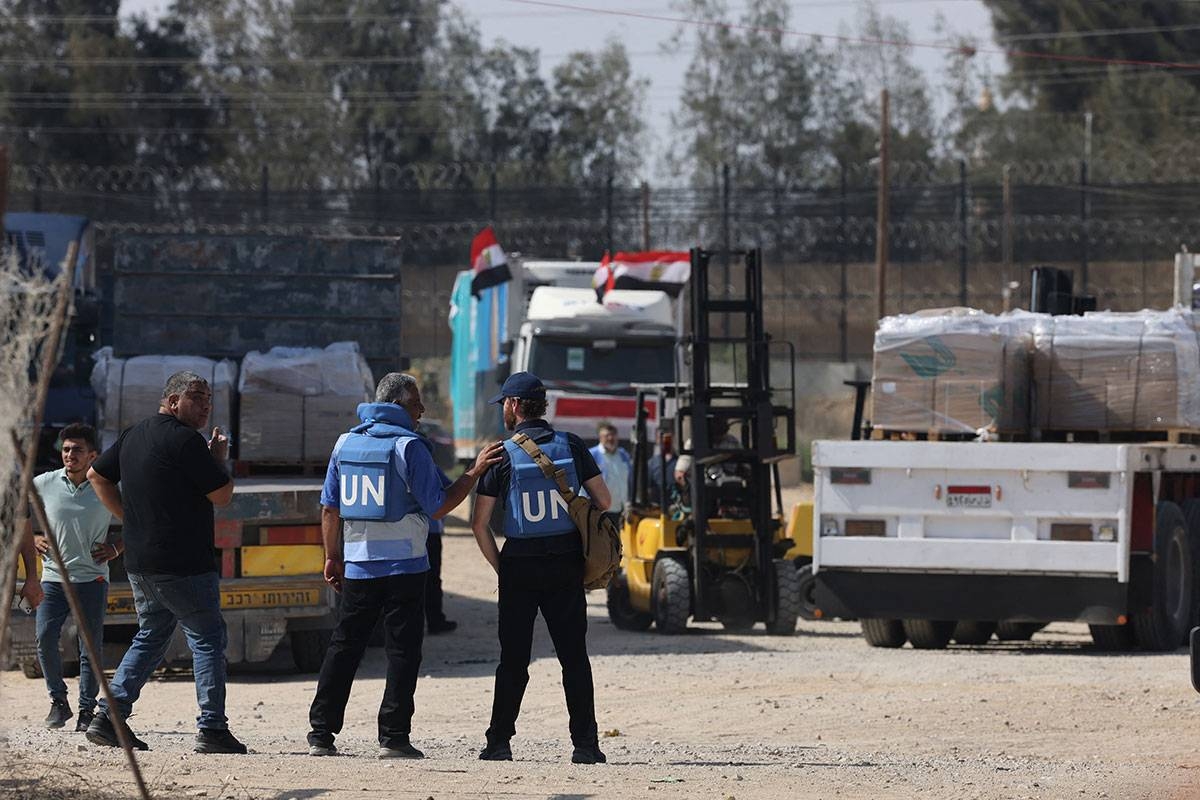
{"points": [[403, 750], [496, 751], [85, 719], [102, 732], [443, 626], [589, 754], [218, 740], [60, 712]]}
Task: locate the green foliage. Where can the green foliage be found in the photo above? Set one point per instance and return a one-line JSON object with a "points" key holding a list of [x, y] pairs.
{"points": [[780, 108], [85, 93], [1136, 109], [599, 107]]}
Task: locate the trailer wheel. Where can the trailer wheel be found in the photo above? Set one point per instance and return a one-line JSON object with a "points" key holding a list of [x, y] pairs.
{"points": [[973, 632], [672, 596], [31, 668], [883, 632], [929, 634], [1163, 625], [620, 608], [308, 649], [1112, 638], [787, 599], [1191, 515], [808, 585], [1017, 631]]}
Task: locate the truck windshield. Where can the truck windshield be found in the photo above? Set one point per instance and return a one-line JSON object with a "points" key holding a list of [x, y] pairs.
{"points": [[628, 362]]}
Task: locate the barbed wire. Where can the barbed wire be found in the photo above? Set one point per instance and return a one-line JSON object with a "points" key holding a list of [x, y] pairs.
{"points": [[1177, 164]]}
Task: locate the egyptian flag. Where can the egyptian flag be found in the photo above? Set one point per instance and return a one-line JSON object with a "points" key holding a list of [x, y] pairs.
{"points": [[602, 279], [666, 270], [488, 262]]}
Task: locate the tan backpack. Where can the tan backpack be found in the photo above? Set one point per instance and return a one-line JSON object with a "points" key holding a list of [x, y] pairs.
{"points": [[601, 539]]}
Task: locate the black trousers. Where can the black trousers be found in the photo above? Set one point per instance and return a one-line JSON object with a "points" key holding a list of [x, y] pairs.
{"points": [[434, 615], [401, 600], [552, 584]]}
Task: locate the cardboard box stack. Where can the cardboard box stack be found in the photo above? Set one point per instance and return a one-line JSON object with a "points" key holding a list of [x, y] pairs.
{"points": [[129, 389], [1116, 372], [295, 402], [952, 371]]}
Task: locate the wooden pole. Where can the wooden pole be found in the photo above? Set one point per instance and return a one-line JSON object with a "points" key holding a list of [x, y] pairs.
{"points": [[89, 644], [1006, 241], [3, 186], [881, 216], [645, 215]]}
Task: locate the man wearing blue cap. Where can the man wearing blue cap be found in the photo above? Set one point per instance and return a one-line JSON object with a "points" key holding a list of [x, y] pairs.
{"points": [[541, 567], [382, 482]]}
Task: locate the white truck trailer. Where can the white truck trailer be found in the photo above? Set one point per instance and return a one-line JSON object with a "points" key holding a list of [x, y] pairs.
{"points": [[928, 541]]}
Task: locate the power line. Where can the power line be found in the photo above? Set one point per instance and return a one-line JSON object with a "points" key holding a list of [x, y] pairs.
{"points": [[859, 40]]}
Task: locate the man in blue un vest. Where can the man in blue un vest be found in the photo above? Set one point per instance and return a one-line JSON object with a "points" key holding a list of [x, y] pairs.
{"points": [[383, 484], [541, 568]]}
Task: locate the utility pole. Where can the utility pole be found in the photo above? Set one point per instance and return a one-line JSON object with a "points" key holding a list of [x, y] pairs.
{"points": [[645, 215], [1006, 242], [3, 186], [881, 214]]}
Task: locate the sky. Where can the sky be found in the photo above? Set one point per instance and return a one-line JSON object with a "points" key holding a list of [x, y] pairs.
{"points": [[557, 31]]}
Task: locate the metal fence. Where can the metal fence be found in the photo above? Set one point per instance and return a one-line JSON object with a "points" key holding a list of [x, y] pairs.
{"points": [[959, 233]]}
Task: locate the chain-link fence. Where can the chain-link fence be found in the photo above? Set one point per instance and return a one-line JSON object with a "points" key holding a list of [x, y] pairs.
{"points": [[959, 233]]}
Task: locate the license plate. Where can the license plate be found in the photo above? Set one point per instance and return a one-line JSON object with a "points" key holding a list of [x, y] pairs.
{"points": [[270, 598], [969, 497], [122, 602]]}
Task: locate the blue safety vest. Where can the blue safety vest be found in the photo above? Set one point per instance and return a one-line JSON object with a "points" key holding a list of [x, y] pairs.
{"points": [[535, 507], [383, 521]]}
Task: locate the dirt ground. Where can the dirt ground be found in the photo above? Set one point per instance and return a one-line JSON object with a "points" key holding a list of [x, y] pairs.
{"points": [[704, 715]]}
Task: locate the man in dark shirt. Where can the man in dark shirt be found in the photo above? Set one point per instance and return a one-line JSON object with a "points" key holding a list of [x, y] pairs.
{"points": [[541, 568], [169, 482]]}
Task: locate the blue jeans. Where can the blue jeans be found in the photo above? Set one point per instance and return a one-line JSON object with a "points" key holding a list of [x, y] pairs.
{"points": [[51, 615], [193, 601]]}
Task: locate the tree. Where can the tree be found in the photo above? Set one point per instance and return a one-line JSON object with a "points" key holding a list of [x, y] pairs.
{"points": [[93, 90], [598, 113], [1105, 29], [748, 97], [865, 72]]}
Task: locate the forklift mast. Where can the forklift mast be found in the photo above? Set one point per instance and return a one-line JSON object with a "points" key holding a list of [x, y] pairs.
{"points": [[728, 335]]}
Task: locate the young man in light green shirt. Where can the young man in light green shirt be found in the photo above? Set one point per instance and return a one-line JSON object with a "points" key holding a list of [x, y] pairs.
{"points": [[79, 523]]}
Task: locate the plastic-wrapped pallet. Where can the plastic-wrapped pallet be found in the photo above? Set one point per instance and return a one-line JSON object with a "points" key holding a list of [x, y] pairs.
{"points": [[296, 401], [953, 370], [1117, 372], [129, 389]]}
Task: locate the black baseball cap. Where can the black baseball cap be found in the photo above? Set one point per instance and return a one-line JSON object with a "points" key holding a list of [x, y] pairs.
{"points": [[523, 385]]}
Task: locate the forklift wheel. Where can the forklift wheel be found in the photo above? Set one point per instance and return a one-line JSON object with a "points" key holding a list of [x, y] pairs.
{"points": [[620, 609], [787, 599], [672, 596]]}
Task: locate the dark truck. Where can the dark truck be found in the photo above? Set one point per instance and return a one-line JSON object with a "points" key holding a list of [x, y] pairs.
{"points": [[220, 296]]}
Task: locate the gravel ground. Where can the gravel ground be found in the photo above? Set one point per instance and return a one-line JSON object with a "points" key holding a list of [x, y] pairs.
{"points": [[706, 714]]}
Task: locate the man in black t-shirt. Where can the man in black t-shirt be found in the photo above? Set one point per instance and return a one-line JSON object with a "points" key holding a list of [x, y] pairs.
{"points": [[541, 568], [169, 482]]}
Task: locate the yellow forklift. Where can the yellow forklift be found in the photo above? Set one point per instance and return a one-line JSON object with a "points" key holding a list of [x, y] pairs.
{"points": [[717, 551]]}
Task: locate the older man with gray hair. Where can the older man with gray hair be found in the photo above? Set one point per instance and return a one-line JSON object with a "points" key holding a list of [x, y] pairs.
{"points": [[381, 490], [170, 479]]}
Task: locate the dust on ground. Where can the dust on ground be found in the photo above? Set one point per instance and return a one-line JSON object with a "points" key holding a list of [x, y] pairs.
{"points": [[707, 714]]}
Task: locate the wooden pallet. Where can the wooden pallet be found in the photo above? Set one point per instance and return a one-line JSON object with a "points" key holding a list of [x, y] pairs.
{"points": [[263, 469], [940, 436], [1165, 436]]}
